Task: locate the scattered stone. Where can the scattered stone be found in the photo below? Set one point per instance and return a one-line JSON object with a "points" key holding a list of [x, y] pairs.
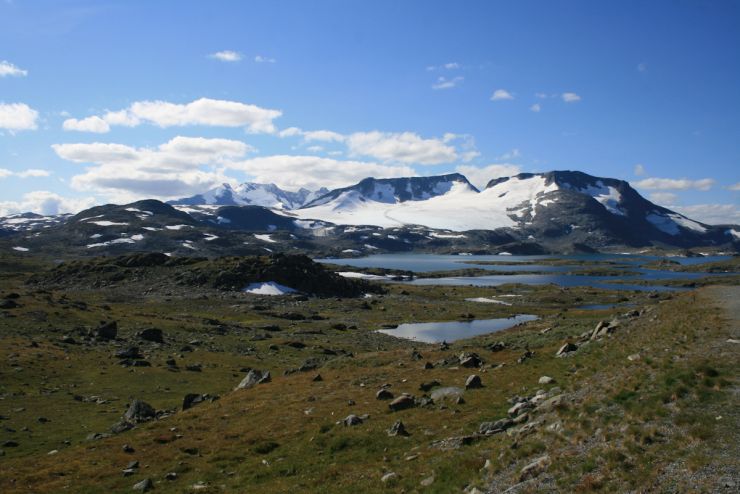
{"points": [[415, 355], [427, 481], [194, 367], [470, 360], [402, 402], [127, 448], [106, 331], [496, 347], [192, 399], [546, 380], [10, 444], [566, 349], [535, 468], [253, 378], [144, 486], [317, 378], [129, 353], [488, 428], [389, 477], [383, 394], [351, 420], [139, 411], [427, 386], [551, 404], [519, 408], [451, 443], [171, 476], [634, 357], [151, 334], [398, 429], [8, 304], [473, 382], [428, 365]]}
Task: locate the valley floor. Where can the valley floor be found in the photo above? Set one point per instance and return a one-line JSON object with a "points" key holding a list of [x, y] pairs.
{"points": [[648, 402]]}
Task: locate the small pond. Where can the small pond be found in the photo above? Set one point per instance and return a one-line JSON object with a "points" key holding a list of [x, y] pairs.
{"points": [[436, 332]]}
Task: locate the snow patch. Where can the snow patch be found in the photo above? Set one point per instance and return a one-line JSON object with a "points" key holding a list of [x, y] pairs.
{"points": [[485, 300], [107, 223], [268, 288], [177, 227], [264, 237], [21, 249], [364, 276]]}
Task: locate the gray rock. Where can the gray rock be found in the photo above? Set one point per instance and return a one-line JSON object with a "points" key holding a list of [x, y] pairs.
{"points": [[151, 334], [566, 349], [398, 429], [546, 380], [351, 420], [535, 468], [144, 486], [473, 382], [470, 360], [488, 428], [139, 411], [402, 402], [383, 394], [253, 378], [426, 386], [106, 331]]}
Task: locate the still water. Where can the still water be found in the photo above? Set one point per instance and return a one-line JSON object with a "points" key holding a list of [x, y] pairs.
{"points": [[435, 332]]}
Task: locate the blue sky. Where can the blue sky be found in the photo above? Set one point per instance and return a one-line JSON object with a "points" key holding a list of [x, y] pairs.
{"points": [[114, 101]]}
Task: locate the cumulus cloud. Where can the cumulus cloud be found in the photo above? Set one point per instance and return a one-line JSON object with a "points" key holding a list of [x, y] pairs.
{"points": [[404, 147], [501, 94], [481, 175], [181, 166], [90, 124], [31, 172], [535, 108], [735, 187], [262, 59], [203, 111], [711, 214], [312, 172], [445, 83], [570, 97], [46, 203], [17, 116], [639, 169], [7, 69], [226, 56], [675, 184]]}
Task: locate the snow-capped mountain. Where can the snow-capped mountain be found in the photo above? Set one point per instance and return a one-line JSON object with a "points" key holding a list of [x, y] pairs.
{"points": [[559, 204], [252, 194]]}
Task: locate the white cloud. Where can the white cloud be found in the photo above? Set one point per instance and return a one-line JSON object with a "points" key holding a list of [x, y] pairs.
{"points": [[446, 66], [501, 94], [444, 83], [226, 56], [404, 147], [4, 172], [313, 172], [639, 169], [7, 69], [480, 176], [541, 95], [45, 202], [510, 155], [735, 187], [662, 198], [314, 149], [179, 167], [535, 108], [33, 172], [323, 135], [90, 124], [570, 97], [711, 214], [17, 116], [203, 111], [675, 184], [261, 59]]}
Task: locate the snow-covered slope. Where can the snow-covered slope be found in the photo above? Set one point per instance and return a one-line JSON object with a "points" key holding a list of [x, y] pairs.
{"points": [[559, 204], [252, 194]]}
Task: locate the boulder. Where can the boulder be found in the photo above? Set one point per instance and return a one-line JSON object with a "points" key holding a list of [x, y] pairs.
{"points": [[351, 420], [546, 380], [383, 394], [139, 411], [253, 378], [488, 428], [473, 382], [106, 331], [427, 386], [144, 486], [402, 402], [151, 334], [398, 429], [535, 468], [470, 360], [566, 349]]}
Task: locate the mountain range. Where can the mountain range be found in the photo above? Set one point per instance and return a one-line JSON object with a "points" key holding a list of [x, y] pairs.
{"points": [[558, 211]]}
